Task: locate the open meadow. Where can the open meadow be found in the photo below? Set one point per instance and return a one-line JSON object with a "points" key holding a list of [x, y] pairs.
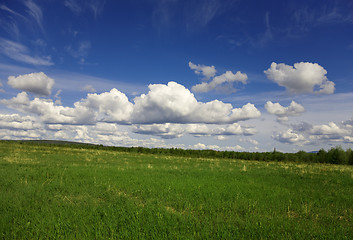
{"points": [[61, 192]]}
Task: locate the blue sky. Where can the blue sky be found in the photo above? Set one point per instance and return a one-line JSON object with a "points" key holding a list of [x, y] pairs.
{"points": [[201, 74]]}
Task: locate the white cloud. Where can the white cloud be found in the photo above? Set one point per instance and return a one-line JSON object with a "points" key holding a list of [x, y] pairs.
{"points": [[173, 130], [221, 82], [11, 27], [173, 103], [348, 139], [234, 129], [201, 146], [315, 134], [88, 88], [348, 123], [94, 6], [35, 12], [232, 148], [7, 134], [304, 77], [48, 111], [281, 112], [15, 121], [37, 83], [166, 111], [81, 51], [222, 138], [73, 6], [207, 71], [252, 141], [198, 130], [20, 53], [290, 136], [113, 106], [330, 129], [5, 8], [166, 130]]}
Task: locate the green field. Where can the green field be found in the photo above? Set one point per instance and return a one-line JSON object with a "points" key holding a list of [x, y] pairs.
{"points": [[61, 192]]}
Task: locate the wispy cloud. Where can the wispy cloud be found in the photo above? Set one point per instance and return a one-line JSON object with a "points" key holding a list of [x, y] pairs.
{"points": [[304, 18], [5, 8], [9, 23], [80, 52], [267, 35], [78, 7], [35, 12], [1, 90], [96, 6], [194, 15], [201, 13], [74, 6], [21, 53]]}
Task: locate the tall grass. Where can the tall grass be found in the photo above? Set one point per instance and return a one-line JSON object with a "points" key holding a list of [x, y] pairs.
{"points": [[59, 192]]}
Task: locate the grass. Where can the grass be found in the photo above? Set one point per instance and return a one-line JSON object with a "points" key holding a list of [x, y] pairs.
{"points": [[58, 192]]}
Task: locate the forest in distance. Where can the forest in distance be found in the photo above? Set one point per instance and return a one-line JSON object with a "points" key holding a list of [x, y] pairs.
{"points": [[335, 155]]}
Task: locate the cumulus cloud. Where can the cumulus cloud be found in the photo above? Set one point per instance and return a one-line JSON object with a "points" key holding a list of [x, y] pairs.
{"points": [[198, 130], [283, 113], [15, 121], [172, 130], [221, 131], [207, 71], [304, 77], [234, 129], [348, 123], [113, 106], [173, 103], [290, 136], [166, 130], [217, 82], [249, 140], [7, 134], [315, 134], [201, 146], [37, 83], [167, 111], [15, 126], [45, 109], [330, 130]]}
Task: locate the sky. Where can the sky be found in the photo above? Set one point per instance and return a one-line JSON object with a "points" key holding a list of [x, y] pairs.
{"points": [[228, 75]]}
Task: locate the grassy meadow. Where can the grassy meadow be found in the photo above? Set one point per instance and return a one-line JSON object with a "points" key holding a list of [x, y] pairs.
{"points": [[60, 192]]}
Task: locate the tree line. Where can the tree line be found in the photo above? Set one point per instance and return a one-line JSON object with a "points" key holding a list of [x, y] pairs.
{"points": [[335, 155]]}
